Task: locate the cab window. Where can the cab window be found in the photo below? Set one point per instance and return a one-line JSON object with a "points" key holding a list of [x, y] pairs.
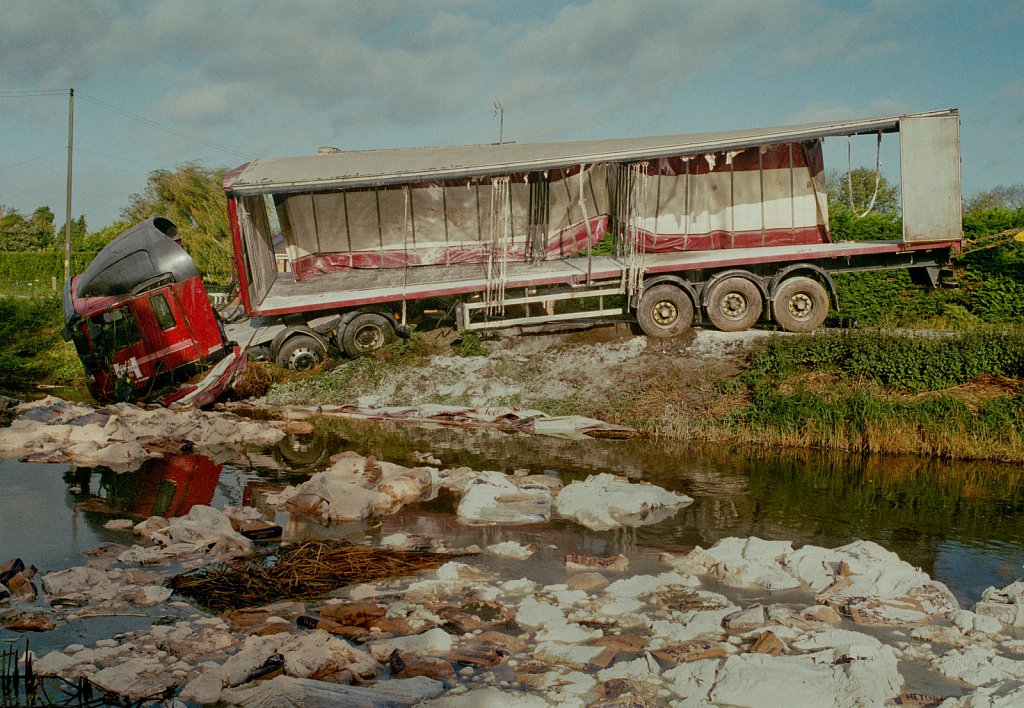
{"points": [[162, 311], [118, 329]]}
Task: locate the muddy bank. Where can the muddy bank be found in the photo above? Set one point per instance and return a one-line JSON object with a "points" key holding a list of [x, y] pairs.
{"points": [[604, 372], [899, 396]]}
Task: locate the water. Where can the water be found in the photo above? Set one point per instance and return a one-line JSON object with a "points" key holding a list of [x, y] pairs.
{"points": [[960, 522]]}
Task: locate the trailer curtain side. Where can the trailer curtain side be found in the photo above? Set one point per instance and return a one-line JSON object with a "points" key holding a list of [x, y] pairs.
{"points": [[765, 195]]}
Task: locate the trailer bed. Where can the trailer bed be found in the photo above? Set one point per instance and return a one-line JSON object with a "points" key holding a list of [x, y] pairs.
{"points": [[357, 287]]}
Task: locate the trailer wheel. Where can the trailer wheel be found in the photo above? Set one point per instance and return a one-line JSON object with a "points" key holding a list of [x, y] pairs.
{"points": [[366, 333], [801, 304], [300, 353], [664, 311], [734, 304]]}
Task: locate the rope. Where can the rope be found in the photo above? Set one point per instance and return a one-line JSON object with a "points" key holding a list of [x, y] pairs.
{"points": [[849, 171], [497, 254], [636, 203], [586, 223]]}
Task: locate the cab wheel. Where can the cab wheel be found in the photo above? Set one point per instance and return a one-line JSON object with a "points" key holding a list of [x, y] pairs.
{"points": [[366, 333], [301, 353]]}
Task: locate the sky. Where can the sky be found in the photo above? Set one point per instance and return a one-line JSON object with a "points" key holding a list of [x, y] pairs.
{"points": [[160, 84]]}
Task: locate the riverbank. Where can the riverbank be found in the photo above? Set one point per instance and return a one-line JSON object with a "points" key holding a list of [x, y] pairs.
{"points": [[946, 395]]}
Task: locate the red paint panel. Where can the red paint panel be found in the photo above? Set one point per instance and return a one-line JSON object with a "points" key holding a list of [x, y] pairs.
{"points": [[776, 157], [239, 261]]}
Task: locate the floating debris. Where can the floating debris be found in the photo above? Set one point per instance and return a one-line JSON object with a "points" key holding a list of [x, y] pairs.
{"points": [[304, 571]]}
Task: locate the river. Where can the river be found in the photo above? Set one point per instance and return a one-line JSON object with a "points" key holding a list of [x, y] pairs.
{"points": [[960, 522]]}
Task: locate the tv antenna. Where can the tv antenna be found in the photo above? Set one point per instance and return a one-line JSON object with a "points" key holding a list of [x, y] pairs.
{"points": [[498, 111]]}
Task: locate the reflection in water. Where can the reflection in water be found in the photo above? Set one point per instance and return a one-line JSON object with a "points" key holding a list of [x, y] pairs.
{"points": [[959, 521], [164, 486]]}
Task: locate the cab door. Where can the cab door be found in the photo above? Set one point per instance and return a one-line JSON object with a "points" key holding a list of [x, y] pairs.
{"points": [[170, 340]]}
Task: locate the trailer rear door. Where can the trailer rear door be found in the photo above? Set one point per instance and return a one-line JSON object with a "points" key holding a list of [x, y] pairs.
{"points": [[930, 173]]}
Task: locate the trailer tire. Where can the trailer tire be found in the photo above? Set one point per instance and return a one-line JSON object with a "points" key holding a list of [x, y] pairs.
{"points": [[734, 304], [301, 352], [366, 333], [664, 311], [801, 304]]}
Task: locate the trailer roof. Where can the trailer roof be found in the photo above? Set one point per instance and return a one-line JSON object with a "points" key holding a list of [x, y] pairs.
{"points": [[368, 168]]}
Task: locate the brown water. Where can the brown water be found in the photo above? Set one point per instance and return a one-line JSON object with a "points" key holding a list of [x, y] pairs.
{"points": [[963, 523]]}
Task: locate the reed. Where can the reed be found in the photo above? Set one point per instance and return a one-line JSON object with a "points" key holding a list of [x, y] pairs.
{"points": [[304, 571]]}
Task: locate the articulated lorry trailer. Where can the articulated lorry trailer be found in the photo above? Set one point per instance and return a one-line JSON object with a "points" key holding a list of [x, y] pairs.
{"points": [[340, 251]]}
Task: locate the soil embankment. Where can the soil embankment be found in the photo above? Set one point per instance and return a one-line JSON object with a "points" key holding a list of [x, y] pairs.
{"points": [[863, 392]]}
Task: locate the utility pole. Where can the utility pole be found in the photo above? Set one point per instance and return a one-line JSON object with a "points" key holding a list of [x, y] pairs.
{"points": [[67, 215]]}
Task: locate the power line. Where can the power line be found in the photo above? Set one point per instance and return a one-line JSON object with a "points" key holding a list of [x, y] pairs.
{"points": [[112, 157], [32, 159], [35, 92], [159, 126]]}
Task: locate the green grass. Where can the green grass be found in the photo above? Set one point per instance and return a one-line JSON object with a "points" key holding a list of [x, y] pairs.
{"points": [[32, 351]]}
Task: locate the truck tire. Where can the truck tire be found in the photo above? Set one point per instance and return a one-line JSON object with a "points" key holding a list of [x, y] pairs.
{"points": [[664, 311], [801, 304], [366, 333], [301, 352], [734, 304]]}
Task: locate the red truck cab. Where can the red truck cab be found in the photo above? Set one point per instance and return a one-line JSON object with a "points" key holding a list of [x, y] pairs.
{"points": [[143, 325]]}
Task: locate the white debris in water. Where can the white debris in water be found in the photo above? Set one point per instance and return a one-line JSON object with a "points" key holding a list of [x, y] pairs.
{"points": [[204, 531], [53, 430], [605, 501], [488, 697], [742, 562], [355, 487], [1005, 604], [512, 549], [433, 642], [862, 580], [495, 498], [644, 585], [114, 587], [977, 666], [825, 678]]}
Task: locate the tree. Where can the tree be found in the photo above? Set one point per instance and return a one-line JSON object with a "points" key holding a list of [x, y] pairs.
{"points": [[863, 181], [97, 240], [1007, 197], [20, 234], [78, 231], [193, 198]]}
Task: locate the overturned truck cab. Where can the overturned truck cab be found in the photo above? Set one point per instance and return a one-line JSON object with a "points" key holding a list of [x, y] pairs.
{"points": [[143, 325]]}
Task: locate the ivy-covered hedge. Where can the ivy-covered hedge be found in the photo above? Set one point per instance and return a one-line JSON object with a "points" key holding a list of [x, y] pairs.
{"points": [[896, 361], [990, 276], [24, 266]]}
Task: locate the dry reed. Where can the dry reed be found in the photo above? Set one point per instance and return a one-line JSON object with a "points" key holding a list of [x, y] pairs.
{"points": [[304, 571]]}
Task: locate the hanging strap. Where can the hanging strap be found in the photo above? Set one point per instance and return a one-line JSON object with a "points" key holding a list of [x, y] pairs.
{"points": [[849, 171]]}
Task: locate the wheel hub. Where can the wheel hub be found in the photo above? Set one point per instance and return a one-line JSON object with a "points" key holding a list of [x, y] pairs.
{"points": [[734, 305], [664, 313], [302, 360], [800, 306], [369, 338]]}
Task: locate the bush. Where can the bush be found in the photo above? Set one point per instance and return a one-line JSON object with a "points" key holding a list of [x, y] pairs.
{"points": [[896, 361]]}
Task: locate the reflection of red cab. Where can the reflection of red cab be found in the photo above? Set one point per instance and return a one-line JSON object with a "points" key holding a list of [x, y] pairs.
{"points": [[141, 321], [172, 485]]}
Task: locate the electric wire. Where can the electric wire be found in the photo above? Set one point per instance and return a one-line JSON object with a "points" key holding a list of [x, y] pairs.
{"points": [[33, 159], [160, 126]]}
